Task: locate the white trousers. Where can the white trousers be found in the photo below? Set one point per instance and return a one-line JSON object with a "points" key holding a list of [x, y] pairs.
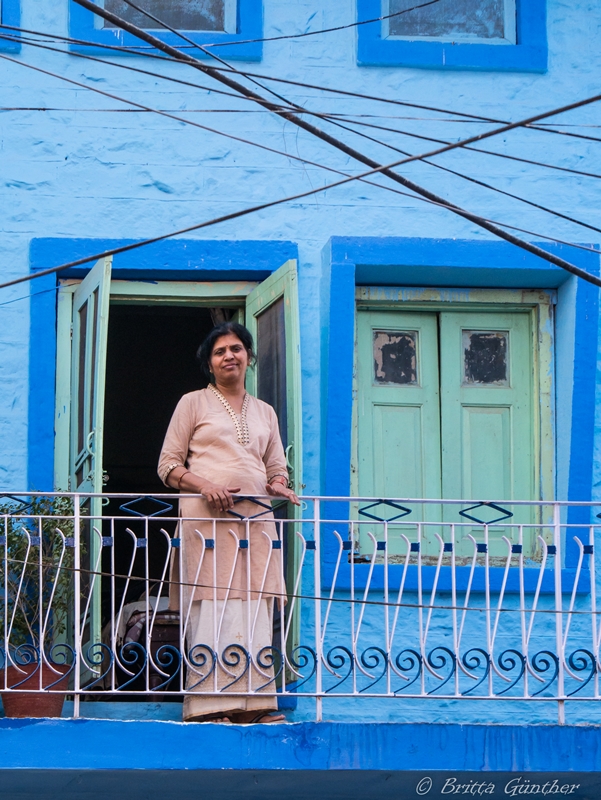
{"points": [[236, 636]]}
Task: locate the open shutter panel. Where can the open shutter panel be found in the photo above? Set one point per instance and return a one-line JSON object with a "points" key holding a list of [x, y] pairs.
{"points": [[88, 371], [272, 318]]}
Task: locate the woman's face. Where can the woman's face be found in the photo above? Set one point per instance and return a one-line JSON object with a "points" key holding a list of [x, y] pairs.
{"points": [[229, 359]]}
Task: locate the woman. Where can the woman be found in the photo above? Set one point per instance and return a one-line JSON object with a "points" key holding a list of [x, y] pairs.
{"points": [[220, 442]]}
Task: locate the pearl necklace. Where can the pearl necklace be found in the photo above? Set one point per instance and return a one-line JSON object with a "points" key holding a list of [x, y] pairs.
{"points": [[241, 424]]}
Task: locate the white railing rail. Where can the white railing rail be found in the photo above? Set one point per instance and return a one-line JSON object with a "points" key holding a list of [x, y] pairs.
{"points": [[385, 598]]}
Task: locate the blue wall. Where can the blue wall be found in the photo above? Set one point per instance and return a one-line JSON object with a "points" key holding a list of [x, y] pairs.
{"points": [[85, 169]]}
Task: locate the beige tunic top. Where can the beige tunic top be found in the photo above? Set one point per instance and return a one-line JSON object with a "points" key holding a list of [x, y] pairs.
{"points": [[239, 559]]}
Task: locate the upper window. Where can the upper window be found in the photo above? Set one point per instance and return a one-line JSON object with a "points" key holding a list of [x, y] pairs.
{"points": [[455, 34], [10, 14], [206, 22], [184, 15]]}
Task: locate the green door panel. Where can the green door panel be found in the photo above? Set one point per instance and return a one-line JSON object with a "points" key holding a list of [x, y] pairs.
{"points": [[487, 413], [272, 318], [398, 414], [445, 408], [88, 370]]}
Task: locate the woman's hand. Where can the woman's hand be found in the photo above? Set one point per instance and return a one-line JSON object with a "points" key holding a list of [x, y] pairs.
{"points": [[277, 489], [219, 497]]}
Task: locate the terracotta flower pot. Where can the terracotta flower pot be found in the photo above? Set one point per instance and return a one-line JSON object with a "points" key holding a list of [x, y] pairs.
{"points": [[35, 704]]}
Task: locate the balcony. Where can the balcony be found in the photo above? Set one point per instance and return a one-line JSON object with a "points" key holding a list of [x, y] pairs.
{"points": [[394, 607]]}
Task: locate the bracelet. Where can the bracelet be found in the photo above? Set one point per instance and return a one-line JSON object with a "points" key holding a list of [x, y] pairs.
{"points": [[280, 479], [179, 481]]}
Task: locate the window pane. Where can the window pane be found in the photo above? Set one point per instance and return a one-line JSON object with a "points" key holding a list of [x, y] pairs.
{"points": [[185, 15], [454, 19], [395, 357], [485, 357], [271, 362]]}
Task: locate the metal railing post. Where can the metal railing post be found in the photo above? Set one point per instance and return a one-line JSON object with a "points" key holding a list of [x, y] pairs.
{"points": [[317, 594], [76, 602], [561, 712]]}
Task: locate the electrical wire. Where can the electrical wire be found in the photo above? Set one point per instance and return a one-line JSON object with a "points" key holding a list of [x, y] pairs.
{"points": [[291, 595], [383, 169], [279, 152], [313, 113], [473, 180], [146, 54], [243, 212], [474, 217], [324, 30]]}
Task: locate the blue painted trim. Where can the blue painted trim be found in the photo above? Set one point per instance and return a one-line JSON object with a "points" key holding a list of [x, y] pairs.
{"points": [[10, 14], [583, 410], [397, 261], [249, 26], [529, 55], [181, 260], [27, 744]]}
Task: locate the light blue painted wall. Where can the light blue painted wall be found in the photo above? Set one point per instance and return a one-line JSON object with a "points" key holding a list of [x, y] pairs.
{"points": [[79, 172]]}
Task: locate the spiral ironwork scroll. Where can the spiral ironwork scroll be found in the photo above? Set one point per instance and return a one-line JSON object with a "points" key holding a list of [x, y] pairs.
{"points": [[337, 658], [94, 658], [471, 661], [266, 659], [58, 657], [231, 658], [440, 662], [23, 656], [301, 660], [410, 661], [164, 657], [198, 660], [131, 653], [579, 663], [507, 662], [540, 664], [371, 659]]}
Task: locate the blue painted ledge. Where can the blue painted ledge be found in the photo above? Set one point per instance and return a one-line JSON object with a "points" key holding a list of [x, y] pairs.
{"points": [[120, 745], [80, 759]]}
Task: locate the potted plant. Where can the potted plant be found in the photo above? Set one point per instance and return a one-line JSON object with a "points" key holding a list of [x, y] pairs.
{"points": [[36, 595]]}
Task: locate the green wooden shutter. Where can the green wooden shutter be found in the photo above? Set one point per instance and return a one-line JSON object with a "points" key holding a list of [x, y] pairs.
{"points": [[272, 318], [88, 369], [398, 415], [487, 410]]}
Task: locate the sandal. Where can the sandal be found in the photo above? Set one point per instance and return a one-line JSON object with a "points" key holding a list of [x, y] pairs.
{"points": [[264, 718], [210, 718]]}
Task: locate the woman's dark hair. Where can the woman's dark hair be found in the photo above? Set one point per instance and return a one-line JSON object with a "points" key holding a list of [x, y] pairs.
{"points": [[204, 352]]}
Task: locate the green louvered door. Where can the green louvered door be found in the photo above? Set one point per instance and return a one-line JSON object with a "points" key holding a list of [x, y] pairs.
{"points": [[398, 412], [445, 409], [487, 414]]}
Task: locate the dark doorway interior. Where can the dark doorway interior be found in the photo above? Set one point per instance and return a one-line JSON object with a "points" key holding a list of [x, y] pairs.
{"points": [[150, 365]]}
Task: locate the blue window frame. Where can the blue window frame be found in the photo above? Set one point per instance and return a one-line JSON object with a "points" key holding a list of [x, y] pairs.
{"points": [[528, 54], [10, 14], [355, 261], [243, 20]]}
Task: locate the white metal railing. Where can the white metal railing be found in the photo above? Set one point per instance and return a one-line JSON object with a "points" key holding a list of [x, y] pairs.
{"points": [[385, 598]]}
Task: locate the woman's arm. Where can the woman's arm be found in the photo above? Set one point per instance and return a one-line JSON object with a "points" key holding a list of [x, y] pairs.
{"points": [[219, 497]]}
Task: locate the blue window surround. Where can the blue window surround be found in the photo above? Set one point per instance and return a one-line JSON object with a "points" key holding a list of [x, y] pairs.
{"points": [[528, 55], [250, 26], [181, 260], [351, 261], [10, 14]]}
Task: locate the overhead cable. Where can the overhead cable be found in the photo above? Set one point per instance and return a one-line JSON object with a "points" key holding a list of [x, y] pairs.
{"points": [[383, 169], [324, 30], [139, 107], [304, 85]]}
